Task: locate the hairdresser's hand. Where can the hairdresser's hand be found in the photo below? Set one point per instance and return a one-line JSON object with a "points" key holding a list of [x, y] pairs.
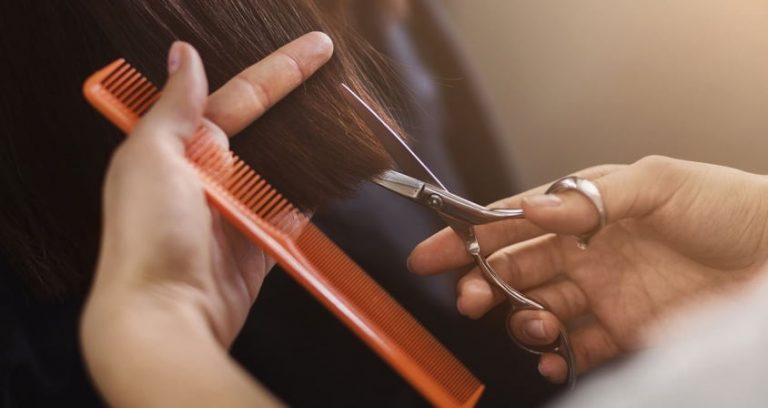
{"points": [[174, 281], [676, 231]]}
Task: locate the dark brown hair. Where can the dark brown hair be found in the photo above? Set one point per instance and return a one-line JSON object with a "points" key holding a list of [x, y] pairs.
{"points": [[54, 149], [311, 147]]}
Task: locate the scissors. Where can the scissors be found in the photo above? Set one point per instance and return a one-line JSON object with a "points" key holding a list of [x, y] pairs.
{"points": [[419, 184]]}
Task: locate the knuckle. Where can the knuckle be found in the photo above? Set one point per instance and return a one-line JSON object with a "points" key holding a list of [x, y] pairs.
{"points": [[595, 172], [220, 116], [259, 96], [584, 356], [511, 231], [295, 65], [554, 245], [507, 263], [570, 301], [674, 172], [656, 163]]}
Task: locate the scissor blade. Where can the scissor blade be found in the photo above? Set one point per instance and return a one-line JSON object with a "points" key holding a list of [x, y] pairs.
{"points": [[405, 158], [399, 183]]}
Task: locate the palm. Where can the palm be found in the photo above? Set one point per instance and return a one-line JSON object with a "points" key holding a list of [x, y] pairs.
{"points": [[706, 239], [631, 278], [238, 268]]}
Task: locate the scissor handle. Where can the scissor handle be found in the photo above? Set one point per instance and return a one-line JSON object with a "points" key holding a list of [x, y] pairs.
{"points": [[561, 346], [520, 302], [517, 299]]}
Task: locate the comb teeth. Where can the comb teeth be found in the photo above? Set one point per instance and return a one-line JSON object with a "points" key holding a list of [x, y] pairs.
{"points": [[388, 316], [123, 95], [131, 88], [246, 188], [427, 362]]}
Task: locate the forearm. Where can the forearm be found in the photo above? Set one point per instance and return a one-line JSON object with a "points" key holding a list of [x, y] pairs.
{"points": [[145, 354]]}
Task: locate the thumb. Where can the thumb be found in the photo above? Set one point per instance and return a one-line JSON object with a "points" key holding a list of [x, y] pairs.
{"points": [[628, 192], [179, 111]]}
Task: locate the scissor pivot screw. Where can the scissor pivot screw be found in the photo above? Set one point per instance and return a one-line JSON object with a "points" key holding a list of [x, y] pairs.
{"points": [[435, 201]]}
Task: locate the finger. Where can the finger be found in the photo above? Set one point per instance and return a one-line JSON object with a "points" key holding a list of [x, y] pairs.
{"points": [[522, 265], [534, 327], [629, 191], [445, 250], [150, 164], [178, 113], [553, 367], [592, 346], [243, 256], [216, 134], [562, 297], [249, 94], [564, 301]]}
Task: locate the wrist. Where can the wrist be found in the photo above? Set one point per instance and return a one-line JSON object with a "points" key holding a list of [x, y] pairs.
{"points": [[148, 352], [133, 293], [112, 311], [128, 338]]}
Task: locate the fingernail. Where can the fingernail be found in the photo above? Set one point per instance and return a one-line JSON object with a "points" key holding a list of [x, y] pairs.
{"points": [[544, 200], [174, 57], [535, 329], [408, 264]]}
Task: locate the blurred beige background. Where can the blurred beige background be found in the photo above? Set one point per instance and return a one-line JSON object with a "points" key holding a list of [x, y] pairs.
{"points": [[577, 83]]}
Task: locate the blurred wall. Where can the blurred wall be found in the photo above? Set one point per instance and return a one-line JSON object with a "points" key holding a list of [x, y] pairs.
{"points": [[583, 82]]}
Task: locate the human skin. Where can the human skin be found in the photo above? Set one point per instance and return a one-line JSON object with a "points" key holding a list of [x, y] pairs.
{"points": [[174, 282], [677, 232]]}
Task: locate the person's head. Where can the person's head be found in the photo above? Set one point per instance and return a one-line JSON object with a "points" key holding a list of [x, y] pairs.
{"points": [[54, 149]]}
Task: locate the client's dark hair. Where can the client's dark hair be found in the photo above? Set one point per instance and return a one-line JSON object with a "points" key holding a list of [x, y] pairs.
{"points": [[54, 149]]}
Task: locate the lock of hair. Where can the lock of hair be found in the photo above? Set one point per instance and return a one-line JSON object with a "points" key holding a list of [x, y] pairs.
{"points": [[249, 203]]}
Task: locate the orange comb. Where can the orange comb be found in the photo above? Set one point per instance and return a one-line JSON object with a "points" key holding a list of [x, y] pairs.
{"points": [[247, 201]]}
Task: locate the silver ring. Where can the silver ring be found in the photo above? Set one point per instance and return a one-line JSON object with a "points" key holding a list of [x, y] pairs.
{"points": [[589, 190]]}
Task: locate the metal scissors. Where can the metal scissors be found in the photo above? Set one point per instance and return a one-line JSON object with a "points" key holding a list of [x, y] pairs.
{"points": [[419, 184]]}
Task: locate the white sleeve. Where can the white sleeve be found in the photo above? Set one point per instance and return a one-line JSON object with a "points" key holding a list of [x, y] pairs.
{"points": [[718, 358]]}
